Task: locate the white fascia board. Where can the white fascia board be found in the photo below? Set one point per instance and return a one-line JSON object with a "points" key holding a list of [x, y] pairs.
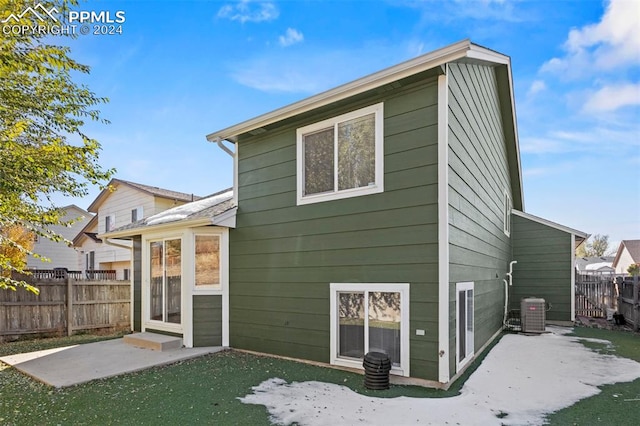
{"points": [[487, 55], [550, 224], [515, 132], [226, 219], [178, 224], [408, 68]]}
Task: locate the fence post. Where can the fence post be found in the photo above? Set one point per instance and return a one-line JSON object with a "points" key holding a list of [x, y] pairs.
{"points": [[69, 305], [636, 308]]}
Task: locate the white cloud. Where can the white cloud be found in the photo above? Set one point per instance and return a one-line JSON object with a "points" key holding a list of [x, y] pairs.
{"points": [[611, 98], [595, 140], [247, 11], [611, 43], [536, 87], [291, 36]]}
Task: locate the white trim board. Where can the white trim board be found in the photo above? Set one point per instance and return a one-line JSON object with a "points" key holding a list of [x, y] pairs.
{"points": [[443, 228]]}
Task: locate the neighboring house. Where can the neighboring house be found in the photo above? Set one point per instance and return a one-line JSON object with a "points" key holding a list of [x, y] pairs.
{"points": [[120, 204], [601, 265], [380, 215], [61, 254], [628, 254]]}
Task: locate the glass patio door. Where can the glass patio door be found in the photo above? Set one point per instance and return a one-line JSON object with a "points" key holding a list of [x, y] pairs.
{"points": [[165, 301], [369, 321]]}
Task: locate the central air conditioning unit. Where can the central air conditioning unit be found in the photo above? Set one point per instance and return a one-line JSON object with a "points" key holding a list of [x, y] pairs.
{"points": [[532, 315]]}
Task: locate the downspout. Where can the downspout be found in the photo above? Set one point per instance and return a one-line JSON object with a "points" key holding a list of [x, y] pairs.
{"points": [[234, 155], [130, 248], [507, 284], [111, 243], [225, 259]]}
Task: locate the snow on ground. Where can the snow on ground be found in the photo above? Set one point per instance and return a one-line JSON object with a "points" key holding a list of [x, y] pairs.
{"points": [[521, 379]]}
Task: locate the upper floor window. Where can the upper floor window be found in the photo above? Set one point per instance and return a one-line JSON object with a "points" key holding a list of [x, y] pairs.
{"points": [[109, 222], [341, 157], [136, 214]]}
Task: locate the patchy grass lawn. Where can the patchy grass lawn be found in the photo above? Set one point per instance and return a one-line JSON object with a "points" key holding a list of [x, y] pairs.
{"points": [[203, 390], [206, 390], [617, 404]]}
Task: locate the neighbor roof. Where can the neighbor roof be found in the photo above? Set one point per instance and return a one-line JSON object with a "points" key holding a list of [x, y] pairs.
{"points": [[91, 225], [152, 190], [209, 210], [632, 246], [593, 263]]}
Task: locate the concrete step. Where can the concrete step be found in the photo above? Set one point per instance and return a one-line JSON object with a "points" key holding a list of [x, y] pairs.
{"points": [[153, 341]]}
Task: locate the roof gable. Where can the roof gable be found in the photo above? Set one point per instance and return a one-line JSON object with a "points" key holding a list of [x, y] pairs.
{"points": [[632, 246], [147, 189], [435, 61], [90, 228], [463, 50]]}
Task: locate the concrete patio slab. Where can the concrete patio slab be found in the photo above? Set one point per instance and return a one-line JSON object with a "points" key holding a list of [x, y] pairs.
{"points": [[72, 365]]}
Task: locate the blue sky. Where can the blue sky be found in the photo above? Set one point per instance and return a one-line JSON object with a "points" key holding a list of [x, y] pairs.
{"points": [[181, 70]]}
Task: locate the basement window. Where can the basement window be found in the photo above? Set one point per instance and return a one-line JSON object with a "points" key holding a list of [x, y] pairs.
{"points": [[370, 318]]}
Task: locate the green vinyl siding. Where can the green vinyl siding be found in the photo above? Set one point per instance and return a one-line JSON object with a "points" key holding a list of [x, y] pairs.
{"points": [[207, 320], [137, 283], [283, 257], [478, 175], [544, 266]]}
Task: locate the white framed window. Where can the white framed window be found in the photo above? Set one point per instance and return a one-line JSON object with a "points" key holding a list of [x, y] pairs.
{"points": [[506, 213], [370, 318], [464, 323], [136, 214], [207, 261], [341, 157], [109, 222]]}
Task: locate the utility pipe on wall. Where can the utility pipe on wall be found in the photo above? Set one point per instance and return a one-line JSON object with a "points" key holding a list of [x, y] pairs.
{"points": [[507, 284]]}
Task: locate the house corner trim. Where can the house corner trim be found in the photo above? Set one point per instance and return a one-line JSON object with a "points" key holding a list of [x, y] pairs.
{"points": [[443, 228]]}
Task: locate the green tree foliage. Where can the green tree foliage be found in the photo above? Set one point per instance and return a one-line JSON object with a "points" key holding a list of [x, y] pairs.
{"points": [[15, 242], [634, 269], [43, 149], [595, 246]]}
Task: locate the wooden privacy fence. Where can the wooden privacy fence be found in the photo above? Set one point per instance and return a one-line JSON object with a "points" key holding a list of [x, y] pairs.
{"points": [[629, 302], [65, 305], [595, 294], [61, 273]]}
